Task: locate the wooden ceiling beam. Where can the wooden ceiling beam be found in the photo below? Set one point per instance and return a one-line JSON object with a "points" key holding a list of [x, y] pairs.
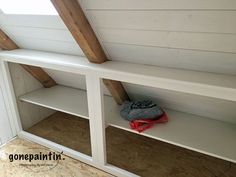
{"points": [[74, 18], [38, 73]]}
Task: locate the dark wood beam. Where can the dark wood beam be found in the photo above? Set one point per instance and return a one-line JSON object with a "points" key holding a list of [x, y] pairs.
{"points": [[74, 18], [38, 73], [6, 43]]}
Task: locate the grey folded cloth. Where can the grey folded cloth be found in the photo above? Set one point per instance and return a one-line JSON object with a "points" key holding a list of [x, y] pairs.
{"points": [[135, 110]]}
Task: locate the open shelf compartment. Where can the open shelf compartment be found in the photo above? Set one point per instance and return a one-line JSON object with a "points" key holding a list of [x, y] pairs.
{"points": [[209, 136], [58, 114], [60, 98]]}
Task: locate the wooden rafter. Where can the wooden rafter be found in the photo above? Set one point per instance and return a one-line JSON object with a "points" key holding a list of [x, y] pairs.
{"points": [[74, 18], [7, 44]]}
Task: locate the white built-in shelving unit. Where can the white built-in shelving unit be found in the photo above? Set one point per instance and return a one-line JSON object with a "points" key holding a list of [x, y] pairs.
{"points": [[186, 130], [209, 136]]}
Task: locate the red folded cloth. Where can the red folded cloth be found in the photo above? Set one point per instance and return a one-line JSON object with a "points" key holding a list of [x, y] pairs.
{"points": [[144, 124]]}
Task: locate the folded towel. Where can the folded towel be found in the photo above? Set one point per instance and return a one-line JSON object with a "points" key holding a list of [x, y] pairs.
{"points": [[136, 110]]}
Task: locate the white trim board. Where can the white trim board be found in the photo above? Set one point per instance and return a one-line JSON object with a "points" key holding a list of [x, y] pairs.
{"points": [[193, 82]]}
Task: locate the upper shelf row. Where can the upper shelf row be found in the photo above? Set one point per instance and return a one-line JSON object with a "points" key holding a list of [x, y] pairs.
{"points": [[193, 82]]}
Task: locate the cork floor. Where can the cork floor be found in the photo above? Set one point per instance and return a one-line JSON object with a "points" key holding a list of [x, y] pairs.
{"points": [[135, 153]]}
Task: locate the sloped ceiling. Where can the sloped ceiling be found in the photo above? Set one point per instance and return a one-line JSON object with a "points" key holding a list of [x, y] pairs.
{"points": [[186, 34], [196, 35], [40, 32]]}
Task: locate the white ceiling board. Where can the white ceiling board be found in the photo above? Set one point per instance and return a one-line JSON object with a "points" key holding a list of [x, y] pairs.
{"points": [[180, 40], [179, 58], [40, 32], [193, 21], [37, 21], [187, 34], [159, 4], [48, 45], [62, 35]]}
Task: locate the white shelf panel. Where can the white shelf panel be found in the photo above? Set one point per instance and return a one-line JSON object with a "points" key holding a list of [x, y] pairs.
{"points": [[60, 98], [200, 134], [200, 83]]}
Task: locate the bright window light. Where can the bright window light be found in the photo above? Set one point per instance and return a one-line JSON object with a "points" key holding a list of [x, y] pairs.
{"points": [[29, 7]]}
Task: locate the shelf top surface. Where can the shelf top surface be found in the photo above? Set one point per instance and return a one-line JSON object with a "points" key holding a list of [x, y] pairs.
{"points": [[201, 83], [60, 98], [197, 133]]}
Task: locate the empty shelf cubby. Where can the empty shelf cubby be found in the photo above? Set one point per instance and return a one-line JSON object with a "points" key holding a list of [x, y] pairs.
{"points": [[58, 114]]}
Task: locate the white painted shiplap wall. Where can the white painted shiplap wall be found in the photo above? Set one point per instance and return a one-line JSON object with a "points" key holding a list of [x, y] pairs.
{"points": [[5, 128], [187, 34], [161, 4], [40, 32], [24, 83]]}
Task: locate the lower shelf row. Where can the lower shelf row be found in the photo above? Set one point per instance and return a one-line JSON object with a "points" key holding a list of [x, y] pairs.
{"points": [[212, 137], [135, 153]]}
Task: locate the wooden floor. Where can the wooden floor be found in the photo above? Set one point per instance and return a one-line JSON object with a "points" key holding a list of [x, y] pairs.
{"points": [[135, 153]]}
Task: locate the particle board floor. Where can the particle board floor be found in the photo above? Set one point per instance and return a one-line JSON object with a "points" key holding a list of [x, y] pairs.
{"points": [[65, 129], [64, 168], [135, 153]]}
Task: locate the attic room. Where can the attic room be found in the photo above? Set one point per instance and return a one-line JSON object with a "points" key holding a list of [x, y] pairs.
{"points": [[122, 88]]}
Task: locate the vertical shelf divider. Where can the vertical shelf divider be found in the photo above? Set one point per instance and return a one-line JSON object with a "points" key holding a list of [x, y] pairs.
{"points": [[96, 117]]}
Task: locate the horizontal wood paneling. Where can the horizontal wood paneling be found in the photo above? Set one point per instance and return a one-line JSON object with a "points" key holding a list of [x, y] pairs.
{"points": [[187, 34], [186, 59], [159, 4], [40, 33], [181, 40], [24, 83], [48, 45], [40, 21], [193, 21], [5, 127]]}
